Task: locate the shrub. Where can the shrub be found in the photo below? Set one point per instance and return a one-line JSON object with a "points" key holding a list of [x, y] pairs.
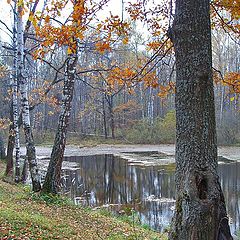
{"points": [[160, 131], [228, 132]]}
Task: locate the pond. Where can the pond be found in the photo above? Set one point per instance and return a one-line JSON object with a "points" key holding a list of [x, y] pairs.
{"points": [[124, 184]]}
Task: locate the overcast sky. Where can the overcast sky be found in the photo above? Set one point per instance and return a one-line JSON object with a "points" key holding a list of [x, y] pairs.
{"points": [[115, 6]]}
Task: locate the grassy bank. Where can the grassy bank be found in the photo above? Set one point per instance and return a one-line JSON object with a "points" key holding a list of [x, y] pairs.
{"points": [[24, 215]]}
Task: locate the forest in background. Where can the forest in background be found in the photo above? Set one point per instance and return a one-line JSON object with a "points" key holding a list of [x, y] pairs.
{"points": [[136, 113]]}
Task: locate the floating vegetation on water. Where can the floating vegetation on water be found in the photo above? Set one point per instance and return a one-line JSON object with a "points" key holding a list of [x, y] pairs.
{"points": [[153, 198]]}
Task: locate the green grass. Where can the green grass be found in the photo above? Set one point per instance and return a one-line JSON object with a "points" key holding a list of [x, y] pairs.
{"points": [[26, 215], [169, 167], [32, 224]]}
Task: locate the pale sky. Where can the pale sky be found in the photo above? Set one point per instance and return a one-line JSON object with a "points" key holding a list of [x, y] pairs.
{"points": [[5, 14], [115, 6]]}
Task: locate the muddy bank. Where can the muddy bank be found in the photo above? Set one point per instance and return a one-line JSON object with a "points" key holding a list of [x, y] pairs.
{"points": [[231, 153], [45, 151]]}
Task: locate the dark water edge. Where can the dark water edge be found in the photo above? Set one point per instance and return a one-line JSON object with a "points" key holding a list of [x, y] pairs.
{"points": [[145, 190]]}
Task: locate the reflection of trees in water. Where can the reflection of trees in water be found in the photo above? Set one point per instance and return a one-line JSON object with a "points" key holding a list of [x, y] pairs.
{"points": [[106, 179], [230, 181]]}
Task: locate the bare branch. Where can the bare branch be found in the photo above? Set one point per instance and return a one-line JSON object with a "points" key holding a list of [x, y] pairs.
{"points": [[6, 26]]}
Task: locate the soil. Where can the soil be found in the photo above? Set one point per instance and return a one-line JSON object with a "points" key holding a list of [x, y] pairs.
{"points": [[231, 153]]}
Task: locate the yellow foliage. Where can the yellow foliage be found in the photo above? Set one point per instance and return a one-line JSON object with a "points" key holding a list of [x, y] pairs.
{"points": [[125, 40], [69, 51]]}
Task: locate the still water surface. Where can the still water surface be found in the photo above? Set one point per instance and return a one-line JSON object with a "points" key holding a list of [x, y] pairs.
{"points": [[118, 185]]}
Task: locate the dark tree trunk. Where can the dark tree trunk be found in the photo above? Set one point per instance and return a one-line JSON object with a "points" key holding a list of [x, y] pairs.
{"points": [[109, 99], [112, 123], [104, 119], [200, 207], [10, 148], [53, 176], [2, 148], [11, 143], [24, 171]]}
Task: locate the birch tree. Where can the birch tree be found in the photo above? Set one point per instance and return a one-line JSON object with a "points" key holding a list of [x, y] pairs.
{"points": [[53, 176], [23, 86], [15, 104]]}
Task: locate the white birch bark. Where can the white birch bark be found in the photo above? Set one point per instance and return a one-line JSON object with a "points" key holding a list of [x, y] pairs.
{"points": [[23, 86], [15, 105], [53, 176], [16, 129]]}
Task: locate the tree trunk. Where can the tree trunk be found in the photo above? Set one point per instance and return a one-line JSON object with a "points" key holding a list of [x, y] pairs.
{"points": [[24, 171], [30, 146], [109, 99], [53, 176], [10, 148], [2, 148], [16, 127], [15, 105], [200, 207], [104, 119], [112, 122]]}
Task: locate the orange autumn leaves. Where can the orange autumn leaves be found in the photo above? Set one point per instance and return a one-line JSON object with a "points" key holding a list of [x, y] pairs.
{"points": [[226, 15], [102, 46], [232, 79], [232, 6], [54, 33], [229, 10], [129, 77], [82, 19], [111, 30], [39, 94], [154, 15]]}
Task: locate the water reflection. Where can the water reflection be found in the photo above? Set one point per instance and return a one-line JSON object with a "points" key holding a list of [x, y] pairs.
{"points": [[230, 181], [107, 180]]}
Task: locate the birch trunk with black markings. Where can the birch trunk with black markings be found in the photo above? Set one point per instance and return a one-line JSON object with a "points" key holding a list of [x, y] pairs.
{"points": [[15, 103], [53, 176], [23, 86]]}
